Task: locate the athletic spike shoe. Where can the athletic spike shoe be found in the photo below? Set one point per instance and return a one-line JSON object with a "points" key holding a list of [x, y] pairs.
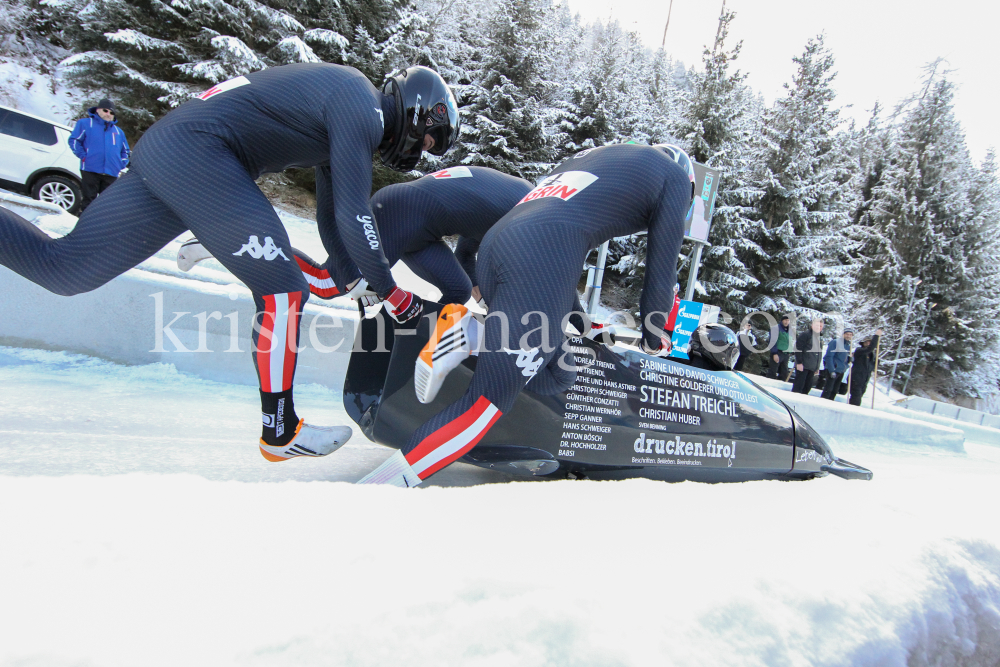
{"points": [[308, 441], [446, 349], [395, 471], [191, 253]]}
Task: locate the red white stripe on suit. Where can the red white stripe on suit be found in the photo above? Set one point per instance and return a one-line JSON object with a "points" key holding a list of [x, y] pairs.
{"points": [[277, 342], [320, 282], [454, 439]]}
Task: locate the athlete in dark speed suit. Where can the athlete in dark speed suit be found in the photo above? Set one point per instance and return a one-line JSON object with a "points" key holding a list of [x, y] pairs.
{"points": [[413, 218], [195, 170], [529, 266]]}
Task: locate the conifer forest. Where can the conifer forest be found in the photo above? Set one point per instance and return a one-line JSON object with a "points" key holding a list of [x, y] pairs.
{"points": [[816, 213]]}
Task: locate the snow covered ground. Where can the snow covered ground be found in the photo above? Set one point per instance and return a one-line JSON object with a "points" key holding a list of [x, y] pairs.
{"points": [[45, 95], [141, 527]]}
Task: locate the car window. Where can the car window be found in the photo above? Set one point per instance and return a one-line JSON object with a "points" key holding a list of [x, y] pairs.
{"points": [[31, 129]]}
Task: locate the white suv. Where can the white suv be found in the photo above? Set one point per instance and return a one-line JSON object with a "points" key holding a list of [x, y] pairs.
{"points": [[35, 159]]}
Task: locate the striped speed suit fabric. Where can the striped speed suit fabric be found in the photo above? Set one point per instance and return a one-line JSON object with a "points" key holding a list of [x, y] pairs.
{"points": [[412, 220], [529, 266], [195, 170]]}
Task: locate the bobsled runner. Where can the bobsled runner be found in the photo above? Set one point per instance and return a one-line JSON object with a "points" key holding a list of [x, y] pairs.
{"points": [[627, 415]]}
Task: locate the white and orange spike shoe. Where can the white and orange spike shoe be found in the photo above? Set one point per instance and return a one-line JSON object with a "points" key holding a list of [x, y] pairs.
{"points": [[448, 346], [308, 441]]}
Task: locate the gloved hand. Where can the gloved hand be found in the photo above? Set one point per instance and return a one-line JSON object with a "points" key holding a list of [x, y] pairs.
{"points": [[403, 305], [602, 333], [662, 352], [362, 294]]}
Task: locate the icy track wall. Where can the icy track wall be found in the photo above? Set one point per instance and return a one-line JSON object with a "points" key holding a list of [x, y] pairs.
{"points": [[141, 317]]}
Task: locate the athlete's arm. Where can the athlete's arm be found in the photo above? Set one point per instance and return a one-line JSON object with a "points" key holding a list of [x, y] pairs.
{"points": [[465, 253], [663, 244], [339, 264], [355, 128]]}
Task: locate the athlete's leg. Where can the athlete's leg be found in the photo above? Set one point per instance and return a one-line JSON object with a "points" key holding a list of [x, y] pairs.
{"points": [[120, 229], [321, 283], [501, 373], [523, 335], [208, 188], [438, 265]]}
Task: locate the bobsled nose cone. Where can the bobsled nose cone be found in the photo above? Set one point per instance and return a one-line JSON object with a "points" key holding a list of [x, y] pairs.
{"points": [[847, 470]]}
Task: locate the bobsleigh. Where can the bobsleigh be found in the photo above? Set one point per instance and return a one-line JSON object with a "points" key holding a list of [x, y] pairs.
{"points": [[627, 415]]}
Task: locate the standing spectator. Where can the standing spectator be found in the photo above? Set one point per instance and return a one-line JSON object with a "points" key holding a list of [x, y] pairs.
{"points": [[102, 148], [747, 343], [864, 364], [808, 352], [777, 360], [838, 353]]}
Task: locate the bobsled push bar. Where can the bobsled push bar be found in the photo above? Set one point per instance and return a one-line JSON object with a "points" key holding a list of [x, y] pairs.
{"points": [[627, 415]]}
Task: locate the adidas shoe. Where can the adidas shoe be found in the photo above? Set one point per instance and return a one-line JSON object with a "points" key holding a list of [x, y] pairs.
{"points": [[446, 349], [308, 441], [191, 253]]}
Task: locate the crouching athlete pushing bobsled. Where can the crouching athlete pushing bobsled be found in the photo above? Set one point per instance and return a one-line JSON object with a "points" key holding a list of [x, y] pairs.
{"points": [[195, 169], [412, 220], [529, 266]]}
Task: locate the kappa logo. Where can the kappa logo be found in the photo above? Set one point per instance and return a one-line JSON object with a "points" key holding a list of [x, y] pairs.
{"points": [[564, 185], [454, 172], [268, 251], [224, 86], [526, 361], [370, 233]]}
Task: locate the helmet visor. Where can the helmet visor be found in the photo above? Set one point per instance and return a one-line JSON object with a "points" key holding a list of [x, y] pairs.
{"points": [[443, 125]]}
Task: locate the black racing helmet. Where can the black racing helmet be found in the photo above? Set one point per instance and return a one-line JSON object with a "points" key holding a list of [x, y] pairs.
{"points": [[716, 344], [677, 154], [424, 105]]}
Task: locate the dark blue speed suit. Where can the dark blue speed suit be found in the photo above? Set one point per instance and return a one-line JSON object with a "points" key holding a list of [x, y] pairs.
{"points": [[529, 266], [195, 170], [413, 218]]}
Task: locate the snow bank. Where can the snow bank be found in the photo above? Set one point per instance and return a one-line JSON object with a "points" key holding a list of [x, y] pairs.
{"points": [[44, 95], [974, 432], [106, 562], [838, 418], [166, 570]]}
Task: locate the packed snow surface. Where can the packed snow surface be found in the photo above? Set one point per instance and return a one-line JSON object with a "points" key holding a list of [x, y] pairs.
{"points": [[140, 526]]}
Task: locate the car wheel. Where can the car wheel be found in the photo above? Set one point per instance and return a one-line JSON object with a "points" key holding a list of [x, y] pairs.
{"points": [[59, 190]]}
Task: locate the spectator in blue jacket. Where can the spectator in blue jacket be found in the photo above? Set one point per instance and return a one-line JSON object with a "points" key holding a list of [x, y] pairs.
{"points": [[835, 361], [102, 148]]}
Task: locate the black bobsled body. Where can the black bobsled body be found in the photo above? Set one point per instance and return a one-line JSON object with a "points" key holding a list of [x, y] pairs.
{"points": [[628, 414]]}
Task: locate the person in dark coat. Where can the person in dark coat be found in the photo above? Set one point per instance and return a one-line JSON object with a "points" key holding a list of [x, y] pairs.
{"points": [[835, 361], [778, 352], [808, 353], [747, 342], [864, 364]]}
